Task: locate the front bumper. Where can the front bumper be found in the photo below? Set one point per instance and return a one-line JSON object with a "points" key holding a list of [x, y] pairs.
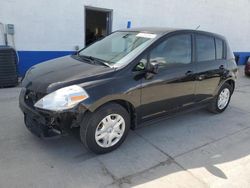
{"points": [[43, 124], [39, 129]]}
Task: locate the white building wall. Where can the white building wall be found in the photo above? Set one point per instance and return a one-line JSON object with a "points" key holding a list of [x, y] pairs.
{"points": [[58, 25]]}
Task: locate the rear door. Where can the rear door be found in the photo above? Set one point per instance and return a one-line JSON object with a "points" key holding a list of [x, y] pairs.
{"points": [[173, 86], [210, 65]]}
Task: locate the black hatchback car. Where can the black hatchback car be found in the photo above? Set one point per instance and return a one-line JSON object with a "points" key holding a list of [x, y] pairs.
{"points": [[125, 80]]}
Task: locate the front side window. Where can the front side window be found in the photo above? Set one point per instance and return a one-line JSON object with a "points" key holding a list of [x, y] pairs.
{"points": [[115, 47], [205, 48], [175, 50]]}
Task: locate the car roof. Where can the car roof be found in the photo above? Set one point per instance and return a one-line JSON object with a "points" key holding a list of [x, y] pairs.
{"points": [[165, 30], [155, 30]]}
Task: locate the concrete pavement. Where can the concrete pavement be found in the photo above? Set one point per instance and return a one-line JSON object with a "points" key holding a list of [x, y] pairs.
{"points": [[197, 149]]}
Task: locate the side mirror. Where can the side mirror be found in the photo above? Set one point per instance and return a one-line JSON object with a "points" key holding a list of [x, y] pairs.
{"points": [[152, 70], [153, 67]]}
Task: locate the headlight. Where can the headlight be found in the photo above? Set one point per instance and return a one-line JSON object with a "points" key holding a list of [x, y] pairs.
{"points": [[62, 99]]}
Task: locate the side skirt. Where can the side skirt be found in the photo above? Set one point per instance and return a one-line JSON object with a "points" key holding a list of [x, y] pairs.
{"points": [[173, 114]]}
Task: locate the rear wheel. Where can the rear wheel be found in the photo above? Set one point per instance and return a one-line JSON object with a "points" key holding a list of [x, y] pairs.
{"points": [[222, 99], [104, 130]]}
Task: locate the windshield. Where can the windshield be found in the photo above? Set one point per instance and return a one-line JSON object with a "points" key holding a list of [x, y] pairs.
{"points": [[118, 47]]}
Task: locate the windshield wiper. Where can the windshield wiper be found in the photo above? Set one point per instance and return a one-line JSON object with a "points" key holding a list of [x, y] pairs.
{"points": [[101, 61], [95, 60], [88, 58]]}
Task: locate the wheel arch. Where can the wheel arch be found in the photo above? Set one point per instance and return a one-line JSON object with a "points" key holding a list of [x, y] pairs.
{"points": [[229, 81], [125, 104]]}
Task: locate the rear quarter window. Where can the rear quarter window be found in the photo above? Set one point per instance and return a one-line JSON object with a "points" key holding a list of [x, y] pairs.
{"points": [[229, 54], [219, 48], [205, 48]]}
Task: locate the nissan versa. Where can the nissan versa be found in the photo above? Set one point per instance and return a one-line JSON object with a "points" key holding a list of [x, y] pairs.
{"points": [[125, 80]]}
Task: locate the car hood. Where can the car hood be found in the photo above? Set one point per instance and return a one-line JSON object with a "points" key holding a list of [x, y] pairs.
{"points": [[61, 72]]}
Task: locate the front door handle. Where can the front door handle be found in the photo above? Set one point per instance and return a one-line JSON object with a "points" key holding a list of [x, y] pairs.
{"points": [[200, 77], [222, 67]]}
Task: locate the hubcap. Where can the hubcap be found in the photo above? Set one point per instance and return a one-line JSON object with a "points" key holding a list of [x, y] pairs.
{"points": [[223, 98], [110, 130]]}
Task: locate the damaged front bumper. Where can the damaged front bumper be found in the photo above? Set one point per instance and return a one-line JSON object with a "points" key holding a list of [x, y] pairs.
{"points": [[41, 130], [46, 124]]}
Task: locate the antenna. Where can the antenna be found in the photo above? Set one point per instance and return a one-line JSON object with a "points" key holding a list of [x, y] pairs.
{"points": [[197, 27]]}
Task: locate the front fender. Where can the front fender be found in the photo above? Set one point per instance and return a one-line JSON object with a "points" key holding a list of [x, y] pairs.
{"points": [[105, 100], [121, 88]]}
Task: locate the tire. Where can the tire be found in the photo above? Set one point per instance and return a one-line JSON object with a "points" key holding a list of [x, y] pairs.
{"points": [[214, 106], [102, 121]]}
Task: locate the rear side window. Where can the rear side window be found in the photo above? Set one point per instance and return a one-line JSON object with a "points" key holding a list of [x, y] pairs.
{"points": [[205, 48], [219, 49], [175, 50]]}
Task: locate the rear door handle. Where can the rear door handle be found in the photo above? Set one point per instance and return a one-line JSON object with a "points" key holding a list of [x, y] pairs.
{"points": [[188, 73]]}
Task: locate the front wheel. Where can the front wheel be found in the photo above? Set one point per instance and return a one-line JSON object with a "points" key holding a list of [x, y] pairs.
{"points": [[104, 130], [221, 101]]}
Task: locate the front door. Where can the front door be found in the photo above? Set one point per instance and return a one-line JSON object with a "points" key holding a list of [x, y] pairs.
{"points": [[173, 86]]}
